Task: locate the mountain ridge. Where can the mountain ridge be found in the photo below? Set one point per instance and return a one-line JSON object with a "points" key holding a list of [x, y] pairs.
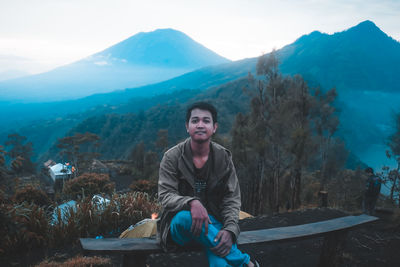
{"points": [[171, 54]]}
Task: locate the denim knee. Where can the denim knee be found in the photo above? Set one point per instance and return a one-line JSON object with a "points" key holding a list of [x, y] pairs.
{"points": [[180, 227], [182, 219]]}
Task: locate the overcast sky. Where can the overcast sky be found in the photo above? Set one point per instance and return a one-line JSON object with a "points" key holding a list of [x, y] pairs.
{"points": [[37, 35]]}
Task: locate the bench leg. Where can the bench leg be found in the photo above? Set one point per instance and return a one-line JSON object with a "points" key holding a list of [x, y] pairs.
{"points": [[134, 260], [332, 249]]}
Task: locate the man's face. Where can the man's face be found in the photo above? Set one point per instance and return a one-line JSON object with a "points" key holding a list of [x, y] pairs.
{"points": [[201, 126]]}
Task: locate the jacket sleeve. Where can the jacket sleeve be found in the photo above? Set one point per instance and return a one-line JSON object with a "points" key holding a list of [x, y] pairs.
{"points": [[168, 193], [231, 202]]}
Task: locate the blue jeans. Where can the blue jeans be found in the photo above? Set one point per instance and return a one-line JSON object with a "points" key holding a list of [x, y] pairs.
{"points": [[180, 233]]}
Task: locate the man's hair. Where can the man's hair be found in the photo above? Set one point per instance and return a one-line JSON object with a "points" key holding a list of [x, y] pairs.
{"points": [[369, 170], [202, 106]]}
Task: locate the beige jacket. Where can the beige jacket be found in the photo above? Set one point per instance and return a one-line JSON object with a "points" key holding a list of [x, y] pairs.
{"points": [[176, 189]]}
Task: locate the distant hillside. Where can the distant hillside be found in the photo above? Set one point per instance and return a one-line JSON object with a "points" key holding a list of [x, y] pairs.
{"points": [[360, 58], [18, 115], [115, 129], [142, 59]]}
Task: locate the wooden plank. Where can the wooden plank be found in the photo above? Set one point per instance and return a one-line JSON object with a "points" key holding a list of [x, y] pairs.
{"points": [[149, 245], [122, 245], [304, 230]]}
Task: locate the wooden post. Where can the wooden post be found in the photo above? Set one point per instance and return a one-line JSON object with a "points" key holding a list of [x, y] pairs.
{"points": [[134, 260], [332, 249]]}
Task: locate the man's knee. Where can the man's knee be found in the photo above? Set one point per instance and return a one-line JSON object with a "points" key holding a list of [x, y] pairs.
{"points": [[216, 261], [182, 218]]}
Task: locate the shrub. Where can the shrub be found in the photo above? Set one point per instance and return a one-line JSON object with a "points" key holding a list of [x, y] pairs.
{"points": [[346, 190], [32, 194], [90, 219], [22, 227], [88, 184], [134, 207], [149, 187], [26, 226]]}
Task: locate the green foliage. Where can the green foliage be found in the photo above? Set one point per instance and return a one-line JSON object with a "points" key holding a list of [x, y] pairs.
{"points": [[27, 226], [151, 165], [18, 148], [79, 149], [23, 227], [288, 129], [88, 184], [137, 156], [346, 190], [149, 187], [162, 140], [17, 164], [394, 139], [31, 194], [20, 153], [2, 156], [392, 177], [92, 219]]}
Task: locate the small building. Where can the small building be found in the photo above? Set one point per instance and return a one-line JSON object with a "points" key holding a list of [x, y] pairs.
{"points": [[60, 171], [49, 164]]}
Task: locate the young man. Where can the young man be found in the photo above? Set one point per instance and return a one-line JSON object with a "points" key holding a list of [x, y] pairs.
{"points": [[199, 193]]}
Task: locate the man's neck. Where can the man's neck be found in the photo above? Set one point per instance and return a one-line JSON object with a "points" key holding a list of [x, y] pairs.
{"points": [[200, 149]]}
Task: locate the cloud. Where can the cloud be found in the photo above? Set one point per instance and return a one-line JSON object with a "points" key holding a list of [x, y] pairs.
{"points": [[101, 63]]}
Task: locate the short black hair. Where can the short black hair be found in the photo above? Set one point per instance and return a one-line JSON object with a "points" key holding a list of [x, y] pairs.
{"points": [[369, 170], [202, 106]]}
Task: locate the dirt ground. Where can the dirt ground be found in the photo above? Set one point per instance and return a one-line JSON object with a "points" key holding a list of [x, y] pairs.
{"points": [[373, 244]]}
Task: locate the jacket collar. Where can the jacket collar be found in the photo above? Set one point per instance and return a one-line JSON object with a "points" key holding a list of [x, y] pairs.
{"points": [[185, 164]]}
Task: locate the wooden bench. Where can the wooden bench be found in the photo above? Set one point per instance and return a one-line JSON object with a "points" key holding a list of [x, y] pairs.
{"points": [[136, 250]]}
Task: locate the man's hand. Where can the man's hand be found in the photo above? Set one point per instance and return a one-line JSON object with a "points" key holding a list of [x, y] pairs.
{"points": [[225, 243], [199, 216]]}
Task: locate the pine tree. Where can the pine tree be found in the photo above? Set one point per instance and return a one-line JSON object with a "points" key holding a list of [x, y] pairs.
{"points": [[79, 149], [394, 175], [274, 143], [20, 153]]}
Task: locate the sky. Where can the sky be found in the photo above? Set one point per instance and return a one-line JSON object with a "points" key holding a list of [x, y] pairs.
{"points": [[39, 35]]}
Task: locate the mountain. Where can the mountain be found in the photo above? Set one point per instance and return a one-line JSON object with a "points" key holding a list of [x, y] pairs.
{"points": [[360, 58], [16, 115], [344, 59], [363, 64], [144, 58]]}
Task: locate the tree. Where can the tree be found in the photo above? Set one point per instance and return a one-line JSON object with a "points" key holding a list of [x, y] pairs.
{"points": [[274, 143], [393, 176], [325, 124], [151, 165], [79, 149], [162, 140], [266, 129], [2, 156], [32, 194], [137, 156], [20, 153], [301, 144]]}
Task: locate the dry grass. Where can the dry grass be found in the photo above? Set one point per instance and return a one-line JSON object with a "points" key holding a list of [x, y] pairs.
{"points": [[78, 261], [24, 227]]}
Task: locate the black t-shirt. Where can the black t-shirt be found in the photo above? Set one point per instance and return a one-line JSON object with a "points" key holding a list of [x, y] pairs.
{"points": [[201, 179]]}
